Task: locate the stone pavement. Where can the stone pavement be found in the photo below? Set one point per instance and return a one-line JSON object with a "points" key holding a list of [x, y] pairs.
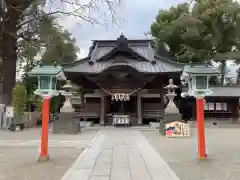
{"points": [[120, 154]]}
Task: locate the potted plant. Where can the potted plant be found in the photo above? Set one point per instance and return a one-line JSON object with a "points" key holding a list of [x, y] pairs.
{"points": [[19, 105]]}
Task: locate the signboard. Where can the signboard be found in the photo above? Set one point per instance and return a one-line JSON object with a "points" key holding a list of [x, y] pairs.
{"points": [[9, 112], [121, 97], [177, 129]]}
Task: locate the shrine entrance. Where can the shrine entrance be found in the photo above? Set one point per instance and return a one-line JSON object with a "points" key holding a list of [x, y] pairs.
{"points": [[122, 107], [120, 85]]}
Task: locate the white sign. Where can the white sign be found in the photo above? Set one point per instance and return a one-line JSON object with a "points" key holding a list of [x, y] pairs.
{"points": [[121, 97], [9, 112]]}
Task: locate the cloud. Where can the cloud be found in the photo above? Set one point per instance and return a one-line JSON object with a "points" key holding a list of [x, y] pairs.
{"points": [[136, 17]]}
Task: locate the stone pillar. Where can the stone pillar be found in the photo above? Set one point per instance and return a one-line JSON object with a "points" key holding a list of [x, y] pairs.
{"points": [[139, 108], [102, 115]]}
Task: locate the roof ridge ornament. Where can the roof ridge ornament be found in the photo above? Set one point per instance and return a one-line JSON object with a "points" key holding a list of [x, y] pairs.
{"points": [[122, 41]]}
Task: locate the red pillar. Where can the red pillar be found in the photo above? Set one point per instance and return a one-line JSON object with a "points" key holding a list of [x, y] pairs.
{"points": [[44, 138], [200, 128]]}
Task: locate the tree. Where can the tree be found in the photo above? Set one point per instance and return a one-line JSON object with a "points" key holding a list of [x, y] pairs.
{"points": [[21, 22], [184, 44], [56, 44], [19, 101], [60, 46], [209, 31]]}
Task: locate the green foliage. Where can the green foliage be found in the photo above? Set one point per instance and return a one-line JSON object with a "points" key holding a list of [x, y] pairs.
{"points": [[207, 31], [59, 46], [19, 100], [38, 102], [31, 84], [54, 104], [214, 81], [20, 30]]}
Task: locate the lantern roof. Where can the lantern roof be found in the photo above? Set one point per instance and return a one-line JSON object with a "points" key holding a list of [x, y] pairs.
{"points": [[68, 85], [201, 69], [171, 85], [56, 71]]}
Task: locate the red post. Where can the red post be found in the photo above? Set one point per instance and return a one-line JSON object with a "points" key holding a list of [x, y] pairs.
{"points": [[200, 128], [44, 138]]}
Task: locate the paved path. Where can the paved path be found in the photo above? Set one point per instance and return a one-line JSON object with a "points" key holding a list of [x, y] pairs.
{"points": [[120, 154]]}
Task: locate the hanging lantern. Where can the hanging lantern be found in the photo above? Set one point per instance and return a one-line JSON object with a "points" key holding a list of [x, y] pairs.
{"points": [[47, 79], [198, 79]]}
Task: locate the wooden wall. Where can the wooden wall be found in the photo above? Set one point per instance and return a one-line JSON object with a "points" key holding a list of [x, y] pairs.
{"points": [[231, 111]]}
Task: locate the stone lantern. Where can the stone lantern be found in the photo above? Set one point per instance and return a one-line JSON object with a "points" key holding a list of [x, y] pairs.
{"points": [[47, 81], [197, 77], [171, 112], [67, 107], [171, 107], [68, 121]]}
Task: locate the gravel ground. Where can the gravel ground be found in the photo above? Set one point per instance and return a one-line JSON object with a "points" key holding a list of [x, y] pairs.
{"points": [[35, 134], [223, 161], [20, 163]]}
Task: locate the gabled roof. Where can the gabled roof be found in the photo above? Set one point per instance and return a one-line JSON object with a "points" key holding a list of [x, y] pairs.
{"points": [[138, 54], [104, 50]]}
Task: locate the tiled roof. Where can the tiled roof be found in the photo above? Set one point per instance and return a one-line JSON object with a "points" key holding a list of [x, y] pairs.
{"points": [[225, 91], [141, 48], [202, 69], [146, 66], [45, 70]]}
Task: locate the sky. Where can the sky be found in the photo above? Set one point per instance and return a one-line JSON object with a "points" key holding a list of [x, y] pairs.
{"points": [[136, 17]]}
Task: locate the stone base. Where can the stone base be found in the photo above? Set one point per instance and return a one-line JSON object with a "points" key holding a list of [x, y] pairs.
{"points": [[202, 158], [172, 117], [43, 158], [67, 123], [86, 123], [154, 125], [168, 118]]}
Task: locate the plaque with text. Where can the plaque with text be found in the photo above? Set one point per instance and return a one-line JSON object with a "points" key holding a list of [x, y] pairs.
{"points": [[177, 129]]}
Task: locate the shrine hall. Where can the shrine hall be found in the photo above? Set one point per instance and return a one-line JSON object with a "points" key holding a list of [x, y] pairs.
{"points": [[125, 77]]}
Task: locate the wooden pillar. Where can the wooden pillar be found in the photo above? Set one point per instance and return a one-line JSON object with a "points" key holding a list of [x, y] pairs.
{"points": [[162, 97], [82, 100], [45, 121], [139, 108], [102, 115], [200, 128]]}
